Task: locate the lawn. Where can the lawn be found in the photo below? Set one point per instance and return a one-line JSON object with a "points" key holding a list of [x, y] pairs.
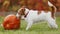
{"points": [[39, 28]]}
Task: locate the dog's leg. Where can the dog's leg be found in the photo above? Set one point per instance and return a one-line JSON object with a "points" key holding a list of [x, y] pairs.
{"points": [[52, 23], [29, 25]]}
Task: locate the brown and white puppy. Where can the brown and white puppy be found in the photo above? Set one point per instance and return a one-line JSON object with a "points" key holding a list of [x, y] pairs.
{"points": [[32, 16]]}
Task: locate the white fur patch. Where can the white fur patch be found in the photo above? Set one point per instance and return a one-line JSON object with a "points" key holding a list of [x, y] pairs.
{"points": [[50, 4], [17, 15], [33, 17]]}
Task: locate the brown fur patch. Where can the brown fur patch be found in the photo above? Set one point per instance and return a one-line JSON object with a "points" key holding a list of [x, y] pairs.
{"points": [[53, 12]]}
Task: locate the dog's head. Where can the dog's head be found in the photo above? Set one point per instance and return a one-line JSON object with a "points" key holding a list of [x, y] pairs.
{"points": [[21, 12]]}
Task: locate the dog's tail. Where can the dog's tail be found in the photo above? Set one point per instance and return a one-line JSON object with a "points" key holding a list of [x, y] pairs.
{"points": [[53, 11]]}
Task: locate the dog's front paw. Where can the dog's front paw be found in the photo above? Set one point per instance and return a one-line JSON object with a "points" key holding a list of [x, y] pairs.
{"points": [[26, 29]]}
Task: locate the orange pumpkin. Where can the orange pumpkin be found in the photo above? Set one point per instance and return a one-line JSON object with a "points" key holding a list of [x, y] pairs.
{"points": [[11, 22]]}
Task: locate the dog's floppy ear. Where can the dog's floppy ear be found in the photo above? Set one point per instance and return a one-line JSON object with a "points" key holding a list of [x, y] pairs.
{"points": [[23, 7]]}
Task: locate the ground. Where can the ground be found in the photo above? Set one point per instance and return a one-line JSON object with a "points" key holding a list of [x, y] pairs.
{"points": [[39, 28]]}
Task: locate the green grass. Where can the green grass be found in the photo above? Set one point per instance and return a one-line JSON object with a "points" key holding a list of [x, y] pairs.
{"points": [[39, 28]]}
